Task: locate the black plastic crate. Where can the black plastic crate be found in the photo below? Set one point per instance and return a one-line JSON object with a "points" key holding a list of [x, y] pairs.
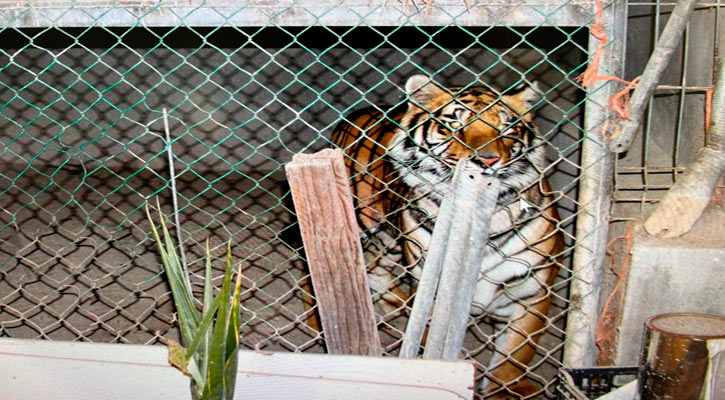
{"points": [[590, 383]]}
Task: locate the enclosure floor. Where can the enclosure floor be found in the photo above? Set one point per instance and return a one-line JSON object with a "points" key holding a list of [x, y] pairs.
{"points": [[79, 264]]}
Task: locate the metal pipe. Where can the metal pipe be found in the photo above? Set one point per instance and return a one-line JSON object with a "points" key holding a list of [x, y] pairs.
{"points": [[595, 194], [464, 196], [683, 204], [622, 134], [716, 136], [487, 193], [174, 192], [428, 283], [303, 13], [475, 198]]}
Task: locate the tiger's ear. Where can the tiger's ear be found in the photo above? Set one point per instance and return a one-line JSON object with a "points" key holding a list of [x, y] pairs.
{"points": [[422, 90], [523, 97]]}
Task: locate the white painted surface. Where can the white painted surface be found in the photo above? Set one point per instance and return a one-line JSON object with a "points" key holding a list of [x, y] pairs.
{"points": [[45, 370], [35, 369], [309, 376]]}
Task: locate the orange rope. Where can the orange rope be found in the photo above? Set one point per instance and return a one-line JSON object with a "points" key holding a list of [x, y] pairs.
{"points": [[597, 30], [708, 108], [619, 102], [605, 330], [717, 196]]}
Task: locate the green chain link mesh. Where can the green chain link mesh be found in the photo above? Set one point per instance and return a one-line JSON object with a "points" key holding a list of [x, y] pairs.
{"points": [[82, 147]]}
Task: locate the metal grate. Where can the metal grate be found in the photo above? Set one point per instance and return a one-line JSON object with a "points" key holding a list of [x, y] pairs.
{"points": [[247, 86], [675, 121]]}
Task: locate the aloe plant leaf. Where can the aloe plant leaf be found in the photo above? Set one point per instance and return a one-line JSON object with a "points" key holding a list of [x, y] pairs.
{"points": [[180, 291], [232, 335], [205, 327], [198, 380], [180, 278], [230, 374], [207, 311], [232, 358], [215, 368], [211, 336]]}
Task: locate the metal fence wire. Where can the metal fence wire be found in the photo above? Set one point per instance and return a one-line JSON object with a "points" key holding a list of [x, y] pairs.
{"points": [[246, 86]]}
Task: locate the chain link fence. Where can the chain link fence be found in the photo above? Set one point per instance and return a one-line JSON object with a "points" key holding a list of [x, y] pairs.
{"points": [[246, 86]]}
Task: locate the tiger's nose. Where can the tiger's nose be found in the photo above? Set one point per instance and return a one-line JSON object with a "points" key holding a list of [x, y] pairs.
{"points": [[489, 159]]}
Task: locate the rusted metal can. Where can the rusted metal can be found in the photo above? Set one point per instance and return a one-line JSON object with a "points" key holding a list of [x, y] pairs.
{"points": [[674, 358]]}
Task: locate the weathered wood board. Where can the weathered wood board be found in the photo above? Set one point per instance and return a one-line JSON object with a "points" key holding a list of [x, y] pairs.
{"points": [[326, 215]]}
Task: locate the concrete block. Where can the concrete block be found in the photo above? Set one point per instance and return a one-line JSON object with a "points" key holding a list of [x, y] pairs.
{"points": [[686, 274]]}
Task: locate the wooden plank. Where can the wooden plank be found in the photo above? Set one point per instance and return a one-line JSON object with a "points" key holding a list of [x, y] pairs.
{"points": [[324, 207], [90, 371]]}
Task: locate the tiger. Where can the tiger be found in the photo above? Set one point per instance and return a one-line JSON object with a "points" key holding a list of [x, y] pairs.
{"points": [[401, 160]]}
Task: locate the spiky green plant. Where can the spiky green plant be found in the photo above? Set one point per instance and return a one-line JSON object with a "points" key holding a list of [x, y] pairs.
{"points": [[208, 352]]}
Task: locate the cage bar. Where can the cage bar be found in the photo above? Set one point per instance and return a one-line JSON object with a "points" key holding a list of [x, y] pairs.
{"points": [[594, 199], [295, 13]]}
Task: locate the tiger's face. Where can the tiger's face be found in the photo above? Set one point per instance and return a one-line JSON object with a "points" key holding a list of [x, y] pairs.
{"points": [[441, 126]]}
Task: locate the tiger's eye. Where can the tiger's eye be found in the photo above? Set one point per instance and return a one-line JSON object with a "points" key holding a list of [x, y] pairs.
{"points": [[456, 125]]}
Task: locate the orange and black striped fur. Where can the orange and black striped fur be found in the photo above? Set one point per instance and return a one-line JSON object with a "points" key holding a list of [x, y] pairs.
{"points": [[401, 162]]}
